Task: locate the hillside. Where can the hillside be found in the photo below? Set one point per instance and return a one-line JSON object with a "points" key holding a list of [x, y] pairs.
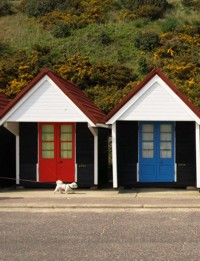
{"points": [[106, 46]]}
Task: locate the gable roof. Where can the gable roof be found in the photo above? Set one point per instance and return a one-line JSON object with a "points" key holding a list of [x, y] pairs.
{"points": [[153, 73], [72, 91], [3, 102]]}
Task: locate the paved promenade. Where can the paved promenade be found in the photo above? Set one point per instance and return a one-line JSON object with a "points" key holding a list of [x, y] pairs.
{"points": [[99, 199]]}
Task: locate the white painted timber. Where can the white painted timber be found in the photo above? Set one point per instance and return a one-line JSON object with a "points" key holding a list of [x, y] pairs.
{"points": [[155, 102], [94, 131], [13, 127], [17, 160], [46, 102], [114, 155], [198, 155]]}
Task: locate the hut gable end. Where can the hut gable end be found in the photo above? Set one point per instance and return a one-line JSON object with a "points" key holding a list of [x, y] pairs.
{"points": [[155, 99]]}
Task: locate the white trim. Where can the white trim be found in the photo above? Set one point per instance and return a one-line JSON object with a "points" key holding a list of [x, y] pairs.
{"points": [[94, 131], [17, 160], [76, 170], [37, 173], [114, 155], [13, 127], [175, 164], [137, 165], [175, 172], [198, 154], [76, 167]]}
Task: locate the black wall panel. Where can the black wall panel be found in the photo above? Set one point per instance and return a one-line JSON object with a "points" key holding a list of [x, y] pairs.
{"points": [[186, 153], [127, 152], [84, 155], [28, 150], [7, 159]]}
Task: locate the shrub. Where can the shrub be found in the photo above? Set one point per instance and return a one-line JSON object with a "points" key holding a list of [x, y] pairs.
{"points": [[105, 38], [150, 11], [134, 5], [5, 7], [191, 3], [169, 25], [61, 30], [144, 67], [147, 41], [39, 8]]}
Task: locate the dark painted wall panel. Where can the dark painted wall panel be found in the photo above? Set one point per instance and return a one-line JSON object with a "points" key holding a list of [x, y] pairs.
{"points": [[127, 150], [186, 153], [28, 150], [103, 134], [7, 159], [84, 155]]}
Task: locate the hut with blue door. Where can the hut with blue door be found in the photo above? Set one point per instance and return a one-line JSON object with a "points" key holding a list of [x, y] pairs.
{"points": [[60, 134], [155, 136], [7, 145]]}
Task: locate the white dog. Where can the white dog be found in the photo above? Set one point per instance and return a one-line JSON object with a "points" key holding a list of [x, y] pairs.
{"points": [[66, 188]]}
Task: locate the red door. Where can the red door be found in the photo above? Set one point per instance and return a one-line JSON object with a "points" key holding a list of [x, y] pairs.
{"points": [[56, 152]]}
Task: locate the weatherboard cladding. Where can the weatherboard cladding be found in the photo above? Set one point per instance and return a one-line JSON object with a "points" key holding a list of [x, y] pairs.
{"points": [[139, 88], [72, 91]]}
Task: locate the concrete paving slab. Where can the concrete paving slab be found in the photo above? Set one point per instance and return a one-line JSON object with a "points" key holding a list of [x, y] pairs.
{"points": [[140, 198]]}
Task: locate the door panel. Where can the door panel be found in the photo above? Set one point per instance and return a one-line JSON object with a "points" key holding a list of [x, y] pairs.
{"points": [[156, 152], [56, 152]]}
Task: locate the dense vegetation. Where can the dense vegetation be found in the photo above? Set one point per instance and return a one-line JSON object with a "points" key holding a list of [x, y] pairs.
{"points": [[104, 46]]}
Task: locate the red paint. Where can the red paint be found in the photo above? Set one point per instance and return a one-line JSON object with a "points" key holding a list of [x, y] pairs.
{"points": [[58, 166]]}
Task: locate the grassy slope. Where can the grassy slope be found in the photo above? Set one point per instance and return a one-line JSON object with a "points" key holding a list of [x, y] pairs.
{"points": [[22, 33]]}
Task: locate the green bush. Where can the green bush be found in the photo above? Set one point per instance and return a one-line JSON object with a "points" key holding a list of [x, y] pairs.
{"points": [[147, 41], [5, 8], [61, 30], [134, 5], [40, 7], [143, 66], [169, 25], [191, 3], [149, 11]]}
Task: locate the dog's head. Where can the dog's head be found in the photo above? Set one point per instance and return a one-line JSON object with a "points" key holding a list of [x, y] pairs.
{"points": [[74, 185], [59, 182]]}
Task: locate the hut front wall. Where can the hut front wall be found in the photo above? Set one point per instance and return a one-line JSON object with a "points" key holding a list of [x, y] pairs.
{"points": [[29, 155], [127, 155]]}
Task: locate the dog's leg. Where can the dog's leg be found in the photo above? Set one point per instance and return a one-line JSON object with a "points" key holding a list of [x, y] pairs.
{"points": [[56, 189]]}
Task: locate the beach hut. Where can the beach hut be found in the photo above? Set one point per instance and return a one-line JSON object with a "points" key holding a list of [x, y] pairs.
{"points": [[60, 134], [155, 136]]}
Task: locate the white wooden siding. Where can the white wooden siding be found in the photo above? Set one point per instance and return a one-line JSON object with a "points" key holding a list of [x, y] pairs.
{"points": [[155, 102], [46, 103]]}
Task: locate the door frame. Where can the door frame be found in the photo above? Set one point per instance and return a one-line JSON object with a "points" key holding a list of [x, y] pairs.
{"points": [[158, 123]]}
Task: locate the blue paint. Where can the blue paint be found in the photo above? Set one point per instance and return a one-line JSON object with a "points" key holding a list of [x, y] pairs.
{"points": [[156, 152]]}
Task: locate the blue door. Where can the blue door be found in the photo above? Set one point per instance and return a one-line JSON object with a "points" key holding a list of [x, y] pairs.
{"points": [[156, 152]]}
